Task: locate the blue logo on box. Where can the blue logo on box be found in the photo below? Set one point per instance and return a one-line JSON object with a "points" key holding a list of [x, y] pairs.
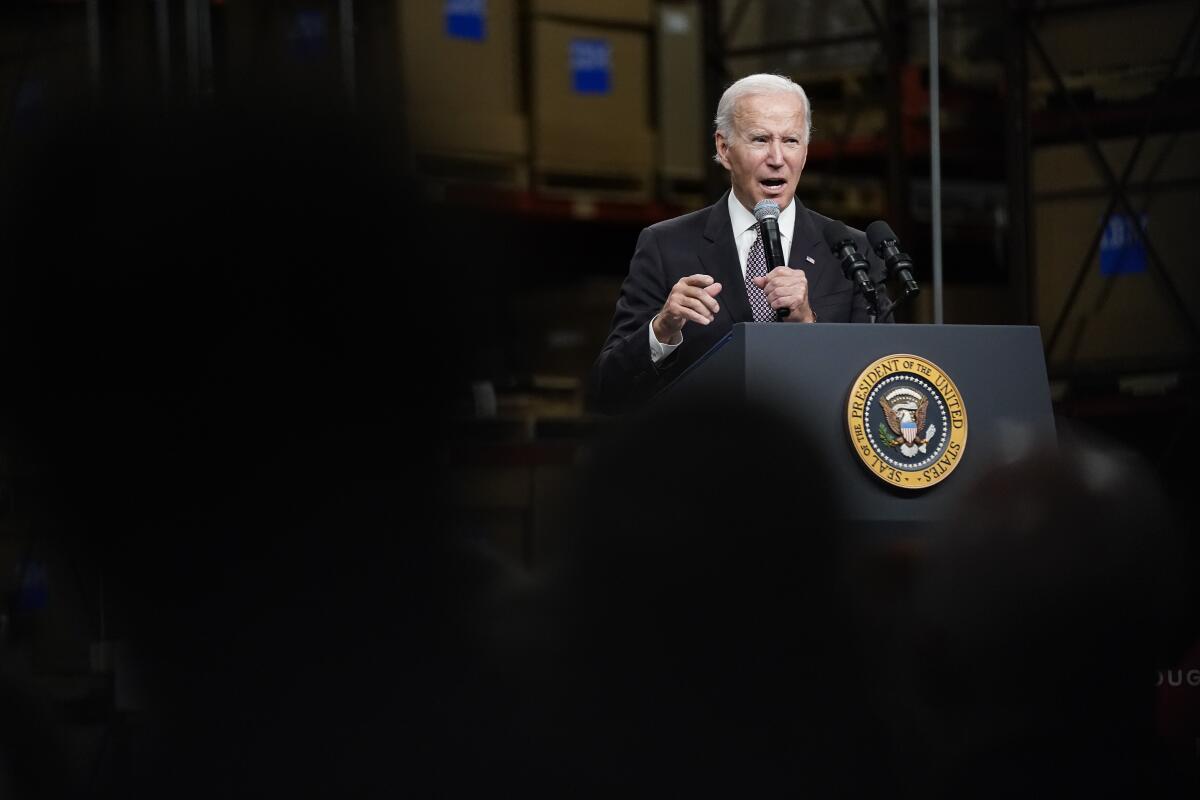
{"points": [[1122, 251], [33, 589], [466, 19], [308, 35], [591, 66]]}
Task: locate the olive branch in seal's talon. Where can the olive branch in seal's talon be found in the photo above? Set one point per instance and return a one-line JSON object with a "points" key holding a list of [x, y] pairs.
{"points": [[887, 438]]}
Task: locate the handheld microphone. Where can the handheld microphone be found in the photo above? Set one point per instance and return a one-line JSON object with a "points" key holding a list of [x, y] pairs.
{"points": [[854, 266], [887, 246], [767, 214]]}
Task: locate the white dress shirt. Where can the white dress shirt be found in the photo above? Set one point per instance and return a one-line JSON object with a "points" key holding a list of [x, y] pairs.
{"points": [[745, 232]]}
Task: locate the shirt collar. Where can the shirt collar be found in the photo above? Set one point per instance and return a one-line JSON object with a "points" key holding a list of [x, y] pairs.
{"points": [[741, 219]]}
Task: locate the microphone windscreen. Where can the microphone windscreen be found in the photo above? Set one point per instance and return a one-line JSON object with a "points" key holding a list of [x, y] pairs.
{"points": [[879, 232], [766, 209], [835, 233]]}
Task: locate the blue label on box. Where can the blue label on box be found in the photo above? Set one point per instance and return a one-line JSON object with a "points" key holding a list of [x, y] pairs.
{"points": [[308, 35], [466, 19], [591, 66], [33, 589], [1121, 249]]}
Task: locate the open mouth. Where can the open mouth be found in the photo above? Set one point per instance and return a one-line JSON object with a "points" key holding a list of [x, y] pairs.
{"points": [[773, 183]]}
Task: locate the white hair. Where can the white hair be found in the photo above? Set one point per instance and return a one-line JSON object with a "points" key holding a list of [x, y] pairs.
{"points": [[762, 83]]}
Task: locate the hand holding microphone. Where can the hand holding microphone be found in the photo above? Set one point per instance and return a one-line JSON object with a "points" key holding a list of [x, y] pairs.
{"points": [[767, 214], [788, 286]]}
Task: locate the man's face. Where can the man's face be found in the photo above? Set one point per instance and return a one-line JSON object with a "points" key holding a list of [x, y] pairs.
{"points": [[765, 154]]}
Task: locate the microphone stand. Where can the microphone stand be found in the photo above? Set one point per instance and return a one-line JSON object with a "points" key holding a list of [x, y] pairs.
{"points": [[892, 305], [873, 304]]}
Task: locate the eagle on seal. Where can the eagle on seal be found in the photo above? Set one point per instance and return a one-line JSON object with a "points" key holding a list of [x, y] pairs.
{"points": [[905, 410]]}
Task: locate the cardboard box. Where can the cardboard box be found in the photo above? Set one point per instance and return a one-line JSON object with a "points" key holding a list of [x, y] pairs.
{"points": [[461, 77], [1126, 319], [628, 11], [1105, 38], [591, 98]]}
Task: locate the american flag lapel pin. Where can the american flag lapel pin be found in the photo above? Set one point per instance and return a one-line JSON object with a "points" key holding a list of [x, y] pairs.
{"points": [[810, 259]]}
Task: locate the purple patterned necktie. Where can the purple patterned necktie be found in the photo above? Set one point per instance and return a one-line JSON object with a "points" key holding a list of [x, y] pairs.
{"points": [[756, 267]]}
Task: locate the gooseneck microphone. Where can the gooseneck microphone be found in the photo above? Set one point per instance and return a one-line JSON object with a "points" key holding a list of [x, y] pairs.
{"points": [[887, 246], [854, 266], [767, 214]]}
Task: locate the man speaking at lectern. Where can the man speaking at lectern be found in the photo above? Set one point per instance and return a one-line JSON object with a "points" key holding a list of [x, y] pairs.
{"points": [[693, 277]]}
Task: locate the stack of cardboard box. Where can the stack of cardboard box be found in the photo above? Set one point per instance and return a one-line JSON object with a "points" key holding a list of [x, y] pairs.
{"points": [[590, 97], [461, 77]]}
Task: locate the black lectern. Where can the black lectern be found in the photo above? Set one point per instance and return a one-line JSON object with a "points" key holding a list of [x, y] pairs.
{"points": [[1000, 407]]}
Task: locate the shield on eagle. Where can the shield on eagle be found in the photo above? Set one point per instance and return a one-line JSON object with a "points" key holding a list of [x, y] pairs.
{"points": [[905, 410]]}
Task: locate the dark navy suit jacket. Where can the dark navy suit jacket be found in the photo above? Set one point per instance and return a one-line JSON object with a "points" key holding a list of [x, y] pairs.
{"points": [[703, 242]]}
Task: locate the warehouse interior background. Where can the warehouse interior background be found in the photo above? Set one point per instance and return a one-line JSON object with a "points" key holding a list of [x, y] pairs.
{"points": [[544, 135]]}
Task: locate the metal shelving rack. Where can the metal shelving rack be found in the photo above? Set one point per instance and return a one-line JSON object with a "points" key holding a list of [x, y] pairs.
{"points": [[1015, 25], [1146, 117]]}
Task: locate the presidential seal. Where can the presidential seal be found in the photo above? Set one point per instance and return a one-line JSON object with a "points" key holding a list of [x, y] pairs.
{"points": [[907, 421]]}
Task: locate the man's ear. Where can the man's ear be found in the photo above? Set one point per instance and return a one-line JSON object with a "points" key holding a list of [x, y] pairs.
{"points": [[722, 149]]}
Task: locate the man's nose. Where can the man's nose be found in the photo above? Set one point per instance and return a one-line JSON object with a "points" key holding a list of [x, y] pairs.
{"points": [[775, 153]]}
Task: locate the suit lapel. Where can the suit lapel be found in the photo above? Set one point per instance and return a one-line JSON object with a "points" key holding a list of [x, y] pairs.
{"points": [[720, 260], [808, 242]]}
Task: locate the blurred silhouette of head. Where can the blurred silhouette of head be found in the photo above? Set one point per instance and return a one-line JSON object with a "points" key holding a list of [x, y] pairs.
{"points": [[1040, 616], [698, 626]]}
